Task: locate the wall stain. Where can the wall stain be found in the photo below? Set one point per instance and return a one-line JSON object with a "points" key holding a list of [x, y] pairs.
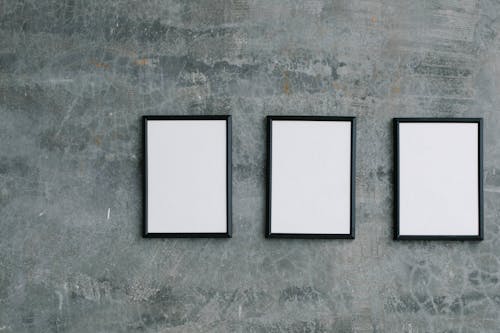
{"points": [[100, 64], [286, 83]]}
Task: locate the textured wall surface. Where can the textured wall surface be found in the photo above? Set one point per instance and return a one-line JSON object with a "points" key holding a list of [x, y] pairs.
{"points": [[75, 78]]}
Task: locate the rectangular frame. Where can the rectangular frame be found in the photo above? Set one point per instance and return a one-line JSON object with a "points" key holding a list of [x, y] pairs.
{"points": [[351, 233], [228, 232], [397, 235]]}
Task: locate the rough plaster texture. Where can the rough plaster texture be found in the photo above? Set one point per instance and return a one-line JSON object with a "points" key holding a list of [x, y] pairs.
{"points": [[75, 77]]}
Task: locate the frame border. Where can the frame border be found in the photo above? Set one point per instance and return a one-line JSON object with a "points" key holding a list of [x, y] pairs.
{"points": [[268, 233], [228, 232], [480, 235]]}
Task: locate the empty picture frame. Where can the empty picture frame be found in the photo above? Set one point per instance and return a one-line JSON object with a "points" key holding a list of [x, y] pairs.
{"points": [[187, 176], [438, 178], [310, 171]]}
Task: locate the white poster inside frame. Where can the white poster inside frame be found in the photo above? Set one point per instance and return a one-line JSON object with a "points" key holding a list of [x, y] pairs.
{"points": [[187, 182], [310, 177], [438, 179]]}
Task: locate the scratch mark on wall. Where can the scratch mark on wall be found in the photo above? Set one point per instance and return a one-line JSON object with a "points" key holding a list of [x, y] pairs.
{"points": [[66, 116], [60, 298]]}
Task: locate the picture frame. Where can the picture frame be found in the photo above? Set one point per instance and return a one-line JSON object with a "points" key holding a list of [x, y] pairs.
{"points": [[187, 176], [311, 177], [438, 178]]}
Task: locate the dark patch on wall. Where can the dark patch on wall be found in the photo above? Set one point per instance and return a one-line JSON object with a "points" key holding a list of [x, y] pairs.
{"points": [[18, 179], [15, 167], [299, 294], [402, 304], [442, 71], [172, 66], [7, 62]]}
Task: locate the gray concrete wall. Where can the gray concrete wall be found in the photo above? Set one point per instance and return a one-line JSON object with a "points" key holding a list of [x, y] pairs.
{"points": [[75, 78]]}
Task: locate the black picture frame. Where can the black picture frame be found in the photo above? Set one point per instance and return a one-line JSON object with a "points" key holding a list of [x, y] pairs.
{"points": [[228, 233], [268, 232], [396, 179]]}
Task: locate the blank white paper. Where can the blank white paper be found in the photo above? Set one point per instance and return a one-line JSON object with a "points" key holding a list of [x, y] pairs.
{"points": [[186, 176], [311, 177], [438, 179]]}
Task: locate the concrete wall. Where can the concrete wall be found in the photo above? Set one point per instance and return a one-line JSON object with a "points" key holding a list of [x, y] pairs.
{"points": [[75, 78]]}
